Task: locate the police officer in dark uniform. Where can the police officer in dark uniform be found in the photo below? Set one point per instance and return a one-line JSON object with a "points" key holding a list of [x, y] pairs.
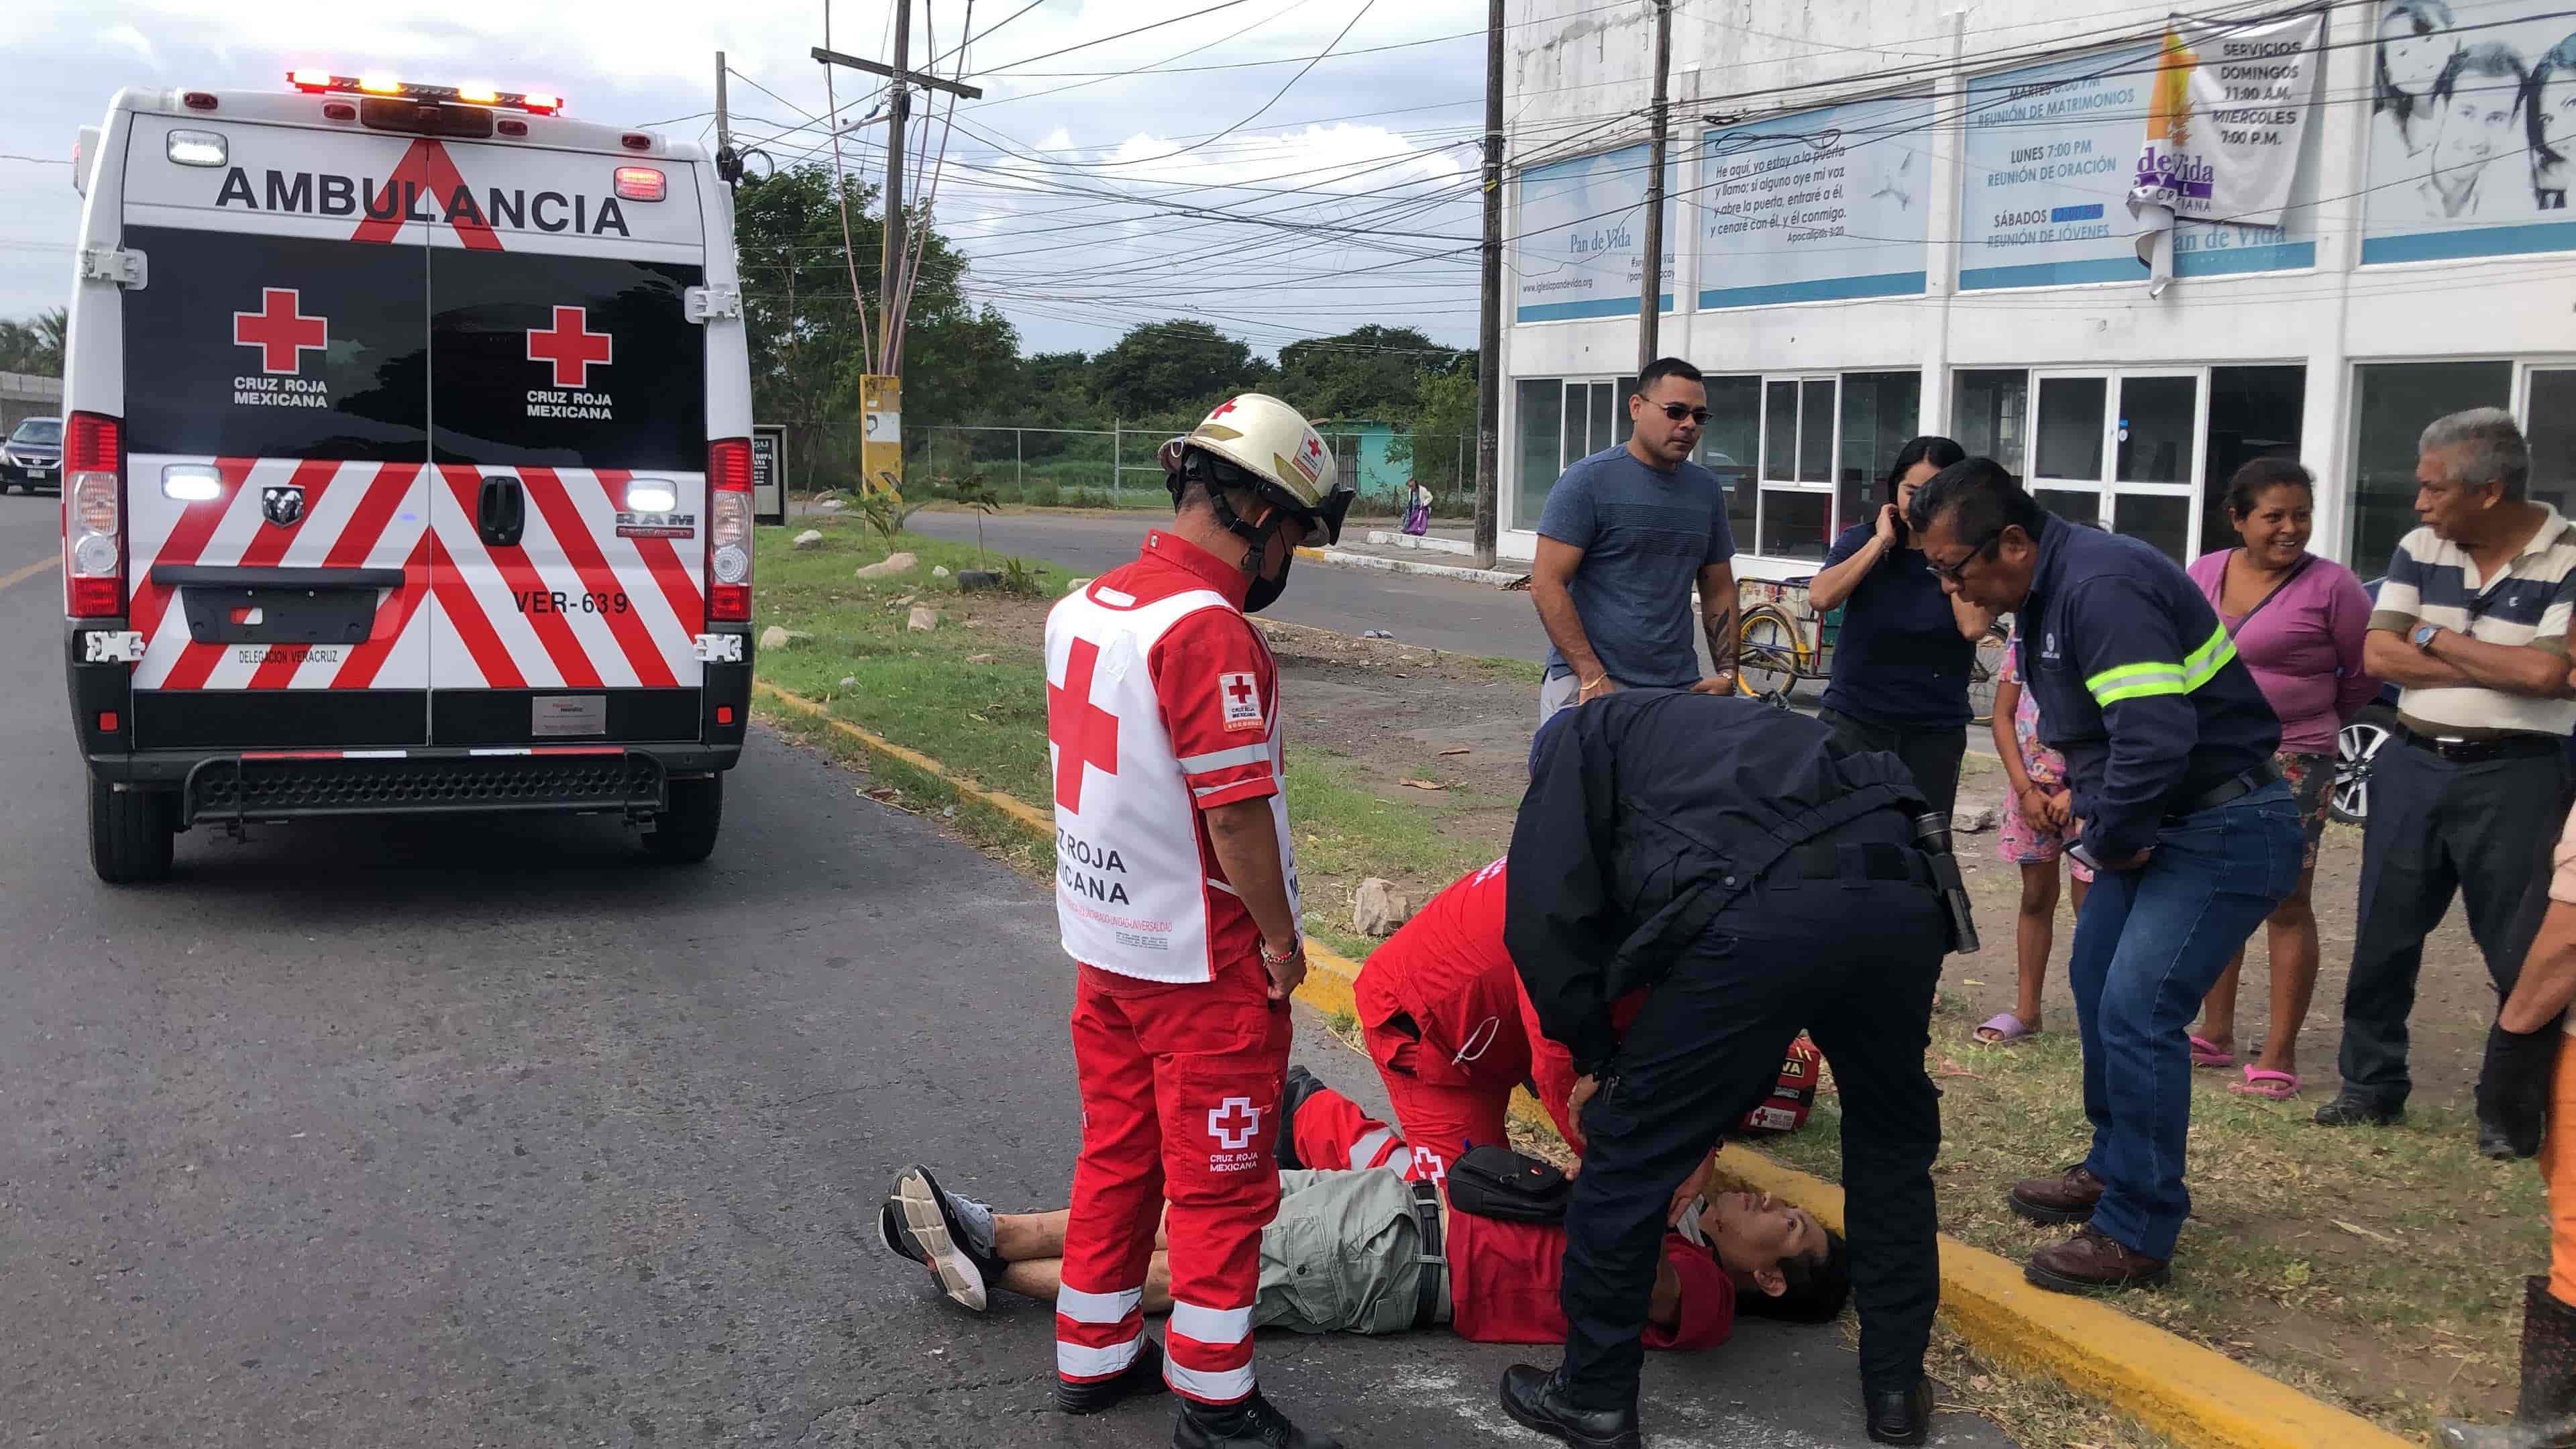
{"points": [[1756, 878], [2168, 744]]}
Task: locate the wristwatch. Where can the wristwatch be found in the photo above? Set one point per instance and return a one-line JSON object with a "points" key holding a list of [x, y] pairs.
{"points": [[2422, 637]]}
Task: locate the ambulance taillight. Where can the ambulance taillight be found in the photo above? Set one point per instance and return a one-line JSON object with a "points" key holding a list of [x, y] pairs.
{"points": [[729, 531], [93, 522]]}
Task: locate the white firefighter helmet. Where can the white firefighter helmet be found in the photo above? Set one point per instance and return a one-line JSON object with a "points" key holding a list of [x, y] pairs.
{"points": [[1263, 445]]}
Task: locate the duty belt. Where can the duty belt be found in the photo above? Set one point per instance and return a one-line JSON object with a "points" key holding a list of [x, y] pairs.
{"points": [[1431, 1254]]}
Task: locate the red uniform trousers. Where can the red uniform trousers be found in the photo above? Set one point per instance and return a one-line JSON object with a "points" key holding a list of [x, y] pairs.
{"points": [[1180, 1096], [1446, 1035]]}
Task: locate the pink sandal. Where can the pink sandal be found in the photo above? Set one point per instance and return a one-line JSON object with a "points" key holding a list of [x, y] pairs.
{"points": [[2207, 1053], [2006, 1027], [2270, 1086]]}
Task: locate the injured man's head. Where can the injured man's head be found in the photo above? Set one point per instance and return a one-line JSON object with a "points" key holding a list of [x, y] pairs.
{"points": [[1783, 1261]]}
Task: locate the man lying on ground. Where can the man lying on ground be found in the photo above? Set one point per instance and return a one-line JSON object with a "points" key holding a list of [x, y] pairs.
{"points": [[1367, 1251]]}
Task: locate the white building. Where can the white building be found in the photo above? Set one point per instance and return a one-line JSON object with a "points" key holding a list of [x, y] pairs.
{"points": [[1902, 216]]}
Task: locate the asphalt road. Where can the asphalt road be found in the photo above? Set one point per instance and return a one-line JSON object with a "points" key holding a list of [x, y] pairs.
{"points": [[451, 1133], [1433, 612]]}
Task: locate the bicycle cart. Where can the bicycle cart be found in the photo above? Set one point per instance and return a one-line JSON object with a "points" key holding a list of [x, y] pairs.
{"points": [[1783, 642]]}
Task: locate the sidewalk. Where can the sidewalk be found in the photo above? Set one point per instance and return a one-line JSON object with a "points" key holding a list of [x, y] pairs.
{"points": [[1440, 554]]}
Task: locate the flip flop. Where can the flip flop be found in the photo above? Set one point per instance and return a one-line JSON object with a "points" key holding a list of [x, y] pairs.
{"points": [[2207, 1053], [2270, 1086], [2007, 1028]]}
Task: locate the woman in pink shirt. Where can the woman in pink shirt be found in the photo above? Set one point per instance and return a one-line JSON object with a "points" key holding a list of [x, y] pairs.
{"points": [[2298, 622]]}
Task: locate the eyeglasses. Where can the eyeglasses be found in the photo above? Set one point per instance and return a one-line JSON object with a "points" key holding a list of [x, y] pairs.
{"points": [[1956, 572], [1679, 411]]}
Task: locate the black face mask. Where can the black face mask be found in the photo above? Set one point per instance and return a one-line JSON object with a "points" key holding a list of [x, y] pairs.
{"points": [[1261, 593]]}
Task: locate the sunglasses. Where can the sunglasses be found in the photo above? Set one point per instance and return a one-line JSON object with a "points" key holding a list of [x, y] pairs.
{"points": [[1679, 411], [1957, 572]]}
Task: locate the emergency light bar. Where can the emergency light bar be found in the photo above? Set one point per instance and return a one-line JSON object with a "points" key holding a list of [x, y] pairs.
{"points": [[318, 82]]}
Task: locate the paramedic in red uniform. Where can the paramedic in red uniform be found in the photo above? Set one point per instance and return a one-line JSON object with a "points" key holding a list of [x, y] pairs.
{"points": [[1443, 1015], [1176, 893]]}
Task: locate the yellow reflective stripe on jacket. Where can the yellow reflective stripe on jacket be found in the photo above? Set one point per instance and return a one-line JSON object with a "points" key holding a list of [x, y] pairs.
{"points": [[2136, 681], [2205, 662], [2131, 681]]}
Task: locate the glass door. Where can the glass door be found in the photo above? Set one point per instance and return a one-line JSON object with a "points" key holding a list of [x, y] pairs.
{"points": [[2070, 437], [2157, 449], [2122, 451]]}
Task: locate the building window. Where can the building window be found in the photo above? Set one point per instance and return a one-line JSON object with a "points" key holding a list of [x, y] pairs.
{"points": [[1987, 415], [1562, 421], [1798, 425], [1542, 454], [2071, 410], [2392, 405], [2254, 412], [1880, 412], [1729, 446], [2551, 408]]}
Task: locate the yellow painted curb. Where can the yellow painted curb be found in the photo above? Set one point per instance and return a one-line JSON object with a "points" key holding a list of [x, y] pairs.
{"points": [[2187, 1393]]}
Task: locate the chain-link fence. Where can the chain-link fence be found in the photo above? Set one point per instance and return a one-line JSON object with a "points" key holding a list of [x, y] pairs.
{"points": [[1115, 467]]}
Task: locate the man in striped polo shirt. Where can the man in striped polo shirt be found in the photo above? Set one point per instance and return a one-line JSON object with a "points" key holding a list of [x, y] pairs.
{"points": [[2472, 623]]}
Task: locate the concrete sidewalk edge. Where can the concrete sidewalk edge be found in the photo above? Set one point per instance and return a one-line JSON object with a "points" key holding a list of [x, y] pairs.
{"points": [[2192, 1395], [1336, 558]]}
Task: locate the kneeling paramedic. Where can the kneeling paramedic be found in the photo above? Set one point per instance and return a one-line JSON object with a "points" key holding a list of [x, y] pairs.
{"points": [[1754, 877], [1176, 891]]}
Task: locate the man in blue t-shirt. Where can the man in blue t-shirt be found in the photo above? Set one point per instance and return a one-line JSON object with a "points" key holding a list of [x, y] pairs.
{"points": [[1625, 535]]}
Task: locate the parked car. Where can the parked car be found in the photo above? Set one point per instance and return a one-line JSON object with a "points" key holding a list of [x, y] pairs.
{"points": [[33, 456]]}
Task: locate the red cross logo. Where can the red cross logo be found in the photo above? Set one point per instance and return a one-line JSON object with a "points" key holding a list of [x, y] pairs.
{"points": [[280, 331], [1082, 732], [1222, 409], [1234, 1123], [1240, 691], [571, 346]]}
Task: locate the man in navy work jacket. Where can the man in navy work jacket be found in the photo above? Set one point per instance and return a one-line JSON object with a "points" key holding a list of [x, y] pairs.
{"points": [[2168, 746]]}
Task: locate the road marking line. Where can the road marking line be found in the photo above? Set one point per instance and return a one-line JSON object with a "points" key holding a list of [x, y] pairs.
{"points": [[20, 576]]}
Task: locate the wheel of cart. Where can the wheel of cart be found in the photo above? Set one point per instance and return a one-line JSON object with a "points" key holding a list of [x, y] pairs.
{"points": [[1779, 640]]}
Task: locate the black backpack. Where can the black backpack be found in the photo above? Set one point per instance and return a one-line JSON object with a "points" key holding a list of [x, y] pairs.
{"points": [[1508, 1186]]}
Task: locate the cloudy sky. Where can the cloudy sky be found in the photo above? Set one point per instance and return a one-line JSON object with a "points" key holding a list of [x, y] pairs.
{"points": [[1068, 183]]}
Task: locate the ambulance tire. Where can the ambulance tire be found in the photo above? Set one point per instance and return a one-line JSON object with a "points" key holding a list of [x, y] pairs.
{"points": [[130, 833], [685, 832]]}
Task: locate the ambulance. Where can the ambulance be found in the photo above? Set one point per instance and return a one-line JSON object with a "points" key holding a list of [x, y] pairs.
{"points": [[406, 466]]}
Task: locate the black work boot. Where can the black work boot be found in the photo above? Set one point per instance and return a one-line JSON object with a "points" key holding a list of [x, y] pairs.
{"points": [[1250, 1423], [1141, 1378], [1301, 1084], [1899, 1416], [1537, 1399], [2544, 1417]]}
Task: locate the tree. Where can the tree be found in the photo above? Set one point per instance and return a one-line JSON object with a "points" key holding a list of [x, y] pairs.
{"points": [[1367, 373], [1174, 367], [806, 354], [1441, 441], [35, 345]]}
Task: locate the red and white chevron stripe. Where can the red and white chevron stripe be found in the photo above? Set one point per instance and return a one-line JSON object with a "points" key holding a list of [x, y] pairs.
{"points": [[457, 622]]}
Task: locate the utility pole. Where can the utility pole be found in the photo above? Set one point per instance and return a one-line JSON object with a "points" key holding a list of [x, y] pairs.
{"points": [[898, 107], [881, 392], [1650, 268], [724, 128], [1489, 327]]}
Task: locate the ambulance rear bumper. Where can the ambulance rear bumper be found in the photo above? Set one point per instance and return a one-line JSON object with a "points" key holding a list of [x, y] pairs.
{"points": [[253, 785]]}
